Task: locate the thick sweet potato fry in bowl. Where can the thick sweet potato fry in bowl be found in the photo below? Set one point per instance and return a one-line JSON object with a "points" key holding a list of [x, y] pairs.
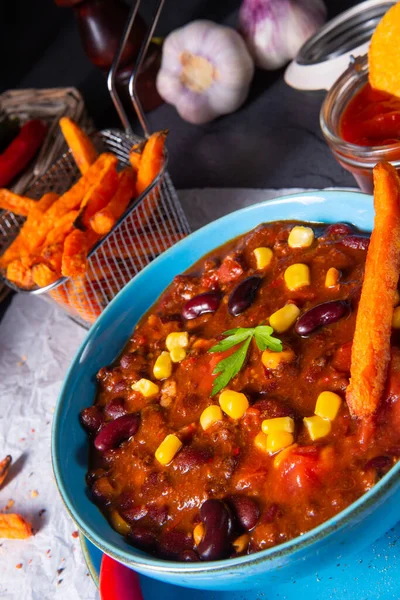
{"points": [[371, 345]]}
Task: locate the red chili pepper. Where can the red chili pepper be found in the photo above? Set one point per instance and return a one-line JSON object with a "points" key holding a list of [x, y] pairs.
{"points": [[118, 582], [21, 150]]}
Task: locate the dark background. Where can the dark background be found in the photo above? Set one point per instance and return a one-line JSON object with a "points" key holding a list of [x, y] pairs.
{"points": [[273, 141]]}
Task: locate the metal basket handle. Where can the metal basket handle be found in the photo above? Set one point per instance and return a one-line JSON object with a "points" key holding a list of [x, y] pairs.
{"points": [[111, 79]]}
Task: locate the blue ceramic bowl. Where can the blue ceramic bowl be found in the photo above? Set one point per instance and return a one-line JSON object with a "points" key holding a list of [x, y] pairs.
{"points": [[354, 528]]}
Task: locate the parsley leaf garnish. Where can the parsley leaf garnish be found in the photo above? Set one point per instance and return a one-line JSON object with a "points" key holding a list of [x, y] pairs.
{"points": [[230, 366]]}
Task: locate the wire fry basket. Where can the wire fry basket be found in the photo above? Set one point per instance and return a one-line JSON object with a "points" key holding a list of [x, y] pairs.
{"points": [[151, 225]]}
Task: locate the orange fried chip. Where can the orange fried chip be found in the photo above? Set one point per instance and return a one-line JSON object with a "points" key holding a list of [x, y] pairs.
{"points": [[151, 161], [82, 149], [104, 220], [20, 274], [43, 275], [99, 194], [20, 205], [74, 257], [383, 55], [14, 527]]}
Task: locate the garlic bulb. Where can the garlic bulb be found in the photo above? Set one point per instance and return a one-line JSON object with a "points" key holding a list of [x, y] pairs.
{"points": [[275, 30], [205, 71]]}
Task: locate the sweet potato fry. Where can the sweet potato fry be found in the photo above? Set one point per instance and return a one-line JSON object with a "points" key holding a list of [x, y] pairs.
{"points": [[74, 257], [20, 274], [43, 275], [62, 227], [14, 527], [135, 155], [151, 161], [20, 205], [370, 354], [52, 256], [82, 149], [99, 194], [21, 242], [104, 220], [4, 468]]}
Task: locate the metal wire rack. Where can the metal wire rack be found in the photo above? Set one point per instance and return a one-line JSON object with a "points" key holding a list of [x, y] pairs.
{"points": [[149, 227]]}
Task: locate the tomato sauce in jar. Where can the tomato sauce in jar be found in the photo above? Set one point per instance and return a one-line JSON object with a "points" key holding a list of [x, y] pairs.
{"points": [[371, 118]]}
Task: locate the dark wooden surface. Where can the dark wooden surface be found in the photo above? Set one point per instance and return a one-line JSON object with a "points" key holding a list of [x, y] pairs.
{"points": [[273, 141]]}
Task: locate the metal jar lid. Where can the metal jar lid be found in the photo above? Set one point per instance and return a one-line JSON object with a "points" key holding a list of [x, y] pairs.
{"points": [[326, 55]]}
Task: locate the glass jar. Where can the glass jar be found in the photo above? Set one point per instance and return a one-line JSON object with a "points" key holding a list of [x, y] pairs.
{"points": [[359, 160]]}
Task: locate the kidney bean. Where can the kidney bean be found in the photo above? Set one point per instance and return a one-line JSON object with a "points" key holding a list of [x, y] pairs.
{"points": [[115, 408], [243, 295], [321, 315], [356, 242], [218, 523], [338, 229], [380, 463], [190, 458], [142, 538], [92, 419], [120, 386], [173, 543], [117, 431], [134, 513], [127, 360], [246, 511], [201, 304]]}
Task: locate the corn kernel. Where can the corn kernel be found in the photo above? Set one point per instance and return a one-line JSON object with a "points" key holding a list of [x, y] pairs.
{"points": [[284, 318], [278, 440], [118, 523], [177, 354], [396, 300], [332, 277], [327, 406], [210, 415], [263, 257], [283, 454], [301, 237], [168, 448], [297, 276], [163, 366], [177, 339], [260, 441], [198, 533], [272, 360], [317, 427], [234, 404], [147, 388], [396, 318], [241, 543], [278, 424]]}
